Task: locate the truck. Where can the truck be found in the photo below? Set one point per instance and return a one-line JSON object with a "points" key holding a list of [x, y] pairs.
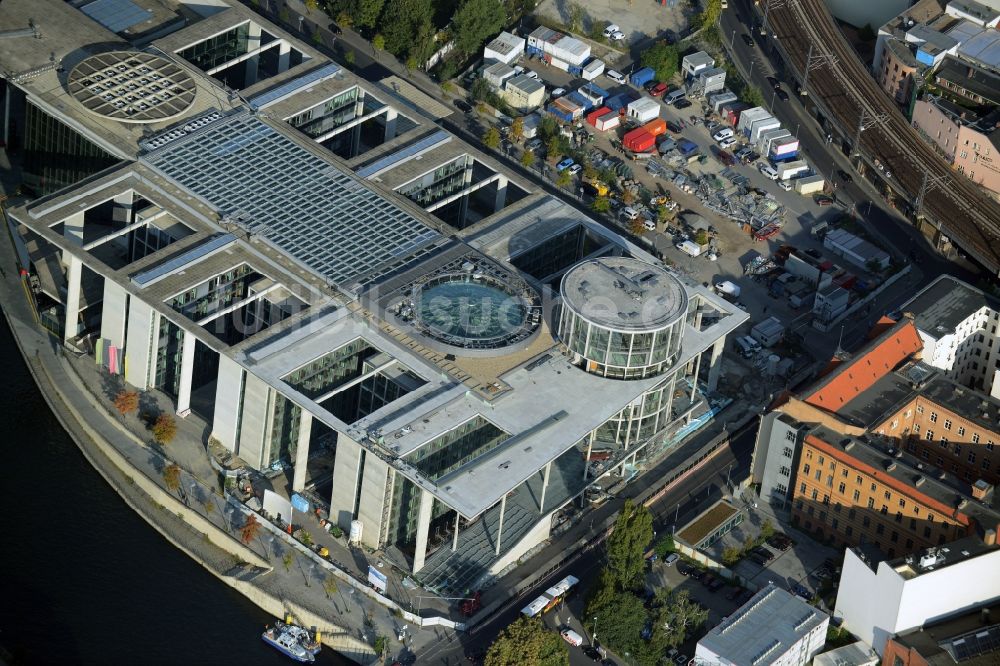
{"points": [[599, 187], [689, 248], [810, 185], [642, 77], [728, 289]]}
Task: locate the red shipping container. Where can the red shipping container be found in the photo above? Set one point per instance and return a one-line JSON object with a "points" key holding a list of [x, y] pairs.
{"points": [[656, 127], [595, 114], [631, 135], [641, 143]]}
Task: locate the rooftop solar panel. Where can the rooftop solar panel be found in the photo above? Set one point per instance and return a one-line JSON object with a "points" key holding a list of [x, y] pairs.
{"points": [[299, 202], [415, 148], [288, 88], [196, 253], [116, 15]]}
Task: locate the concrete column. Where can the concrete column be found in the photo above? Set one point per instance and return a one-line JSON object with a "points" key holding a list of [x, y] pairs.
{"points": [[74, 269], [454, 539], [228, 391], [390, 123], [715, 369], [423, 529], [140, 343], [123, 208], [302, 450], [501, 199], [545, 486], [113, 310], [586, 463], [694, 378], [503, 507], [187, 372], [463, 208], [284, 51], [252, 63], [73, 228]]}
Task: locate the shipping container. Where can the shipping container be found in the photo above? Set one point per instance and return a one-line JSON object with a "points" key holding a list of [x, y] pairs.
{"points": [[608, 121], [785, 157], [569, 105], [565, 116], [656, 127], [783, 146], [642, 77], [644, 109], [749, 116], [809, 185], [595, 114], [767, 138], [717, 100], [558, 63], [732, 112], [581, 100], [791, 169], [639, 141], [593, 69], [759, 126], [570, 50]]}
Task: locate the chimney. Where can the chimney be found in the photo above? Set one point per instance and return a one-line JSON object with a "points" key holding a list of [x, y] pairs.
{"points": [[990, 537], [980, 490]]}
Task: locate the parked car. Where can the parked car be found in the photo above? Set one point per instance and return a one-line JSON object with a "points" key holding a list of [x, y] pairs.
{"points": [[617, 36], [782, 95], [733, 593], [708, 579], [785, 185], [575, 169], [773, 82], [767, 171], [564, 163], [682, 103], [533, 145], [531, 75], [723, 133], [717, 585], [675, 127], [591, 652], [823, 200], [728, 143], [571, 637], [558, 92], [658, 89], [712, 125], [779, 540], [615, 76], [725, 157], [670, 559], [335, 29], [764, 552], [752, 157], [747, 39], [611, 29], [462, 105], [685, 569], [630, 213], [758, 558]]}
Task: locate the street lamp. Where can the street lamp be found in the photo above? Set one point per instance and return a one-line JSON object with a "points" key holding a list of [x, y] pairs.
{"points": [[797, 125], [732, 41], [593, 634]]}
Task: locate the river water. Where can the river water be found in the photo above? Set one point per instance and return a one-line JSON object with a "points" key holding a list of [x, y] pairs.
{"points": [[83, 579]]}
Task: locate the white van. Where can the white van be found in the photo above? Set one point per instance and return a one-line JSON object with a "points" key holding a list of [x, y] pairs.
{"points": [[630, 213], [615, 76], [571, 637]]}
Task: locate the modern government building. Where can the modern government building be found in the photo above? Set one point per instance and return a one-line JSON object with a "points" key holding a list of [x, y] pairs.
{"points": [[355, 302]]}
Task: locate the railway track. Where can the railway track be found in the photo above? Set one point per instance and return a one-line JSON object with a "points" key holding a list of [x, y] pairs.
{"points": [[845, 88]]}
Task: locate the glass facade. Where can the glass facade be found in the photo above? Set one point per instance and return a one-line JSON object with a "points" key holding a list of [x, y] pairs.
{"points": [[331, 370], [621, 354], [220, 49], [55, 155], [327, 116], [557, 253], [405, 507], [284, 430], [440, 183], [168, 357], [455, 448], [640, 420]]}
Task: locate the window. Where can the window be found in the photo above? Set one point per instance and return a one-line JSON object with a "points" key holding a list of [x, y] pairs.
{"points": [[929, 435], [819, 474], [871, 503], [857, 495], [805, 469], [843, 473], [916, 428], [811, 510], [790, 435], [826, 500], [809, 455], [851, 513], [933, 417], [913, 523], [784, 471], [802, 487], [894, 536], [902, 503], [835, 523], [975, 438], [780, 489], [888, 495], [787, 452], [880, 529], [874, 487], [930, 517], [961, 431], [927, 532], [866, 521], [972, 457], [822, 460], [899, 516], [849, 530], [884, 510], [947, 424], [829, 481], [920, 409], [841, 488], [989, 445], [944, 442], [909, 544], [815, 494], [986, 463], [859, 480]]}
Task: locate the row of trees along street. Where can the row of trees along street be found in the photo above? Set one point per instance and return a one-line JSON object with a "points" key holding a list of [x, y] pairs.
{"points": [[637, 626]]}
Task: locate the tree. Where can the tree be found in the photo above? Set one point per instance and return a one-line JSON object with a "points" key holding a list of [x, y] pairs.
{"points": [[708, 17], [311, 5], [601, 205], [752, 96], [406, 26], [305, 538], [628, 197], [619, 618], [287, 560], [366, 12], [627, 544], [345, 19], [662, 57], [548, 128], [349, 58], [766, 529], [491, 138], [527, 159], [172, 477], [250, 529], [411, 63], [527, 642], [701, 237], [164, 429], [517, 129], [126, 402], [480, 89], [284, 16], [564, 178], [577, 15], [476, 21], [330, 585], [317, 36], [378, 44], [731, 555], [677, 616], [637, 227]]}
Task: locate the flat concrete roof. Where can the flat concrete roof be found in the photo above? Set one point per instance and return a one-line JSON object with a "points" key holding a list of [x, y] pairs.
{"points": [[769, 624], [624, 294], [945, 303]]}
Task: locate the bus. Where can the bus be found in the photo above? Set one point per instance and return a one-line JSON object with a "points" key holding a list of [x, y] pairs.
{"points": [[551, 598]]}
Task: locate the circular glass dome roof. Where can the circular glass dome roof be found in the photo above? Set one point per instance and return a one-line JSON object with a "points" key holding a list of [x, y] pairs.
{"points": [[132, 87]]}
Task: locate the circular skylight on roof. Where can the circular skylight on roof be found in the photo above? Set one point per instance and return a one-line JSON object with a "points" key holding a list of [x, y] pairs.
{"points": [[132, 87]]}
